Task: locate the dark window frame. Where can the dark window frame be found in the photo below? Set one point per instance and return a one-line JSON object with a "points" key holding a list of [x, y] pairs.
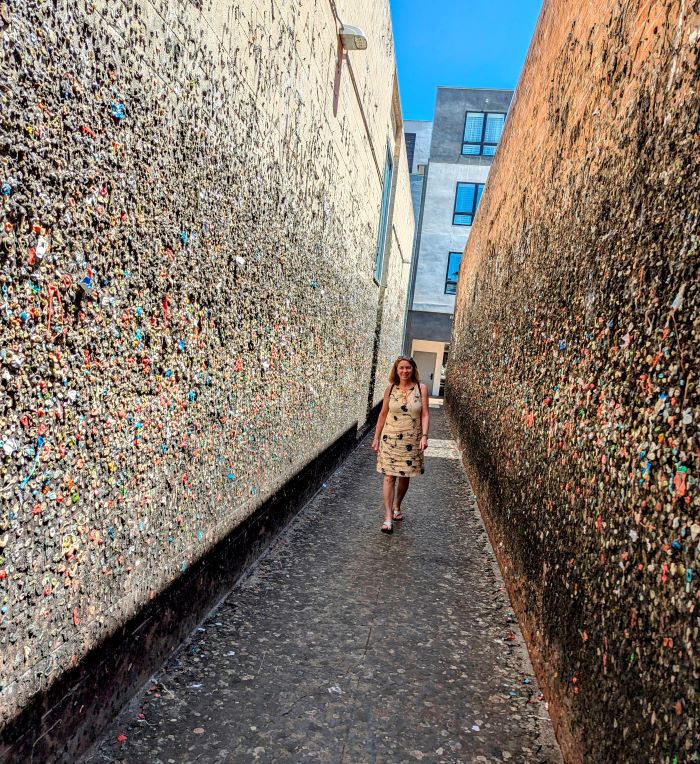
{"points": [[410, 140], [384, 232], [449, 283], [467, 213], [482, 142]]}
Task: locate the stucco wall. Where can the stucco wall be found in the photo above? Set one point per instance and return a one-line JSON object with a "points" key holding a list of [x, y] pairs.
{"points": [[211, 174], [397, 271], [573, 373]]}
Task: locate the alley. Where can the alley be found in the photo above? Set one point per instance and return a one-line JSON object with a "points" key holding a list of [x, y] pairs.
{"points": [[347, 645]]}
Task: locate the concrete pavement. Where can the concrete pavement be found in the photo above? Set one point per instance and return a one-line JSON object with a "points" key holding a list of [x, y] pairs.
{"points": [[347, 645]]}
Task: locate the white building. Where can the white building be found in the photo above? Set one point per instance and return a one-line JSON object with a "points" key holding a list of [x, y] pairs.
{"points": [[449, 161]]}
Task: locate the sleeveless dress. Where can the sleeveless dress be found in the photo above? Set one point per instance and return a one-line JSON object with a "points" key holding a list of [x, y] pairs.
{"points": [[399, 454]]}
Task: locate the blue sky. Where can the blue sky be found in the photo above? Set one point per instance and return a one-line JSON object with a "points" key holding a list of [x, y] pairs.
{"points": [[459, 43]]}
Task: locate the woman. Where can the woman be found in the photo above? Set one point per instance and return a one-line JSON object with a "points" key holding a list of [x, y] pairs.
{"points": [[401, 435]]}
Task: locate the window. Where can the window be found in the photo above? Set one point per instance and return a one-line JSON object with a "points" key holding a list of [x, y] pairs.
{"points": [[466, 201], [482, 132], [453, 261], [383, 219], [410, 149]]}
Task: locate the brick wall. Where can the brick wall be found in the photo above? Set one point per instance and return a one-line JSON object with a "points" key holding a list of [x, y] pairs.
{"points": [[573, 379], [190, 207]]}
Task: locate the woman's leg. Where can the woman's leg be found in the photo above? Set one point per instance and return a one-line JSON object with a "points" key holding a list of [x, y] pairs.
{"points": [[401, 489], [388, 492]]}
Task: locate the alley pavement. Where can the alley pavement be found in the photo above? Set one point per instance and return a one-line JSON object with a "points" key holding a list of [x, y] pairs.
{"points": [[347, 645]]}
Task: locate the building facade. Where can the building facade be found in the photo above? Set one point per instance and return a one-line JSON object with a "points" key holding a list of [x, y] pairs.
{"points": [[449, 162], [206, 240], [418, 135], [572, 385]]}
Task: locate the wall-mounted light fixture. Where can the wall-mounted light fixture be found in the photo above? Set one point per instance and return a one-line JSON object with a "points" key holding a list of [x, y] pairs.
{"points": [[353, 38]]}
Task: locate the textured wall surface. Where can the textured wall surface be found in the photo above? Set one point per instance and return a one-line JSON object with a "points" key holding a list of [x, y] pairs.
{"points": [[573, 379], [191, 196]]}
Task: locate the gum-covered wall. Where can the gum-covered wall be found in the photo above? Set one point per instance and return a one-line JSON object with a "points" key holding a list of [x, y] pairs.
{"points": [[573, 377], [190, 194]]}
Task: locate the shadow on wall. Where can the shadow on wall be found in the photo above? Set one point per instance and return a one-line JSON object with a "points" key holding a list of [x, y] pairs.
{"points": [[573, 381], [64, 721]]}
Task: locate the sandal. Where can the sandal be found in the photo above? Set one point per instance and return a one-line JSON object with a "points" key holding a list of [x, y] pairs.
{"points": [[396, 515], [387, 527]]}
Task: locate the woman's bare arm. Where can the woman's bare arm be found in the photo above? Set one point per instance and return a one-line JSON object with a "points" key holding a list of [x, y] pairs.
{"points": [[425, 416], [382, 418]]}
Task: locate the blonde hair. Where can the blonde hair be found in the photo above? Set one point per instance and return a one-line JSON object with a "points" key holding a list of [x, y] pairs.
{"points": [[393, 374]]}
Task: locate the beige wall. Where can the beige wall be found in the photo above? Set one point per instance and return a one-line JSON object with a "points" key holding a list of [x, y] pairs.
{"points": [[397, 269], [229, 221], [428, 346]]}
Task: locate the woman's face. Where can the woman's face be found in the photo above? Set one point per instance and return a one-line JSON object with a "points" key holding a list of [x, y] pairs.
{"points": [[405, 371]]}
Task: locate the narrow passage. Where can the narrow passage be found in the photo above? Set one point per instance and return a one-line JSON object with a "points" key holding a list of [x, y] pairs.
{"points": [[348, 645]]}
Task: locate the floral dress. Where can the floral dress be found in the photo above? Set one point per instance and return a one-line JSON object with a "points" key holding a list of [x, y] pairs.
{"points": [[399, 454]]}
